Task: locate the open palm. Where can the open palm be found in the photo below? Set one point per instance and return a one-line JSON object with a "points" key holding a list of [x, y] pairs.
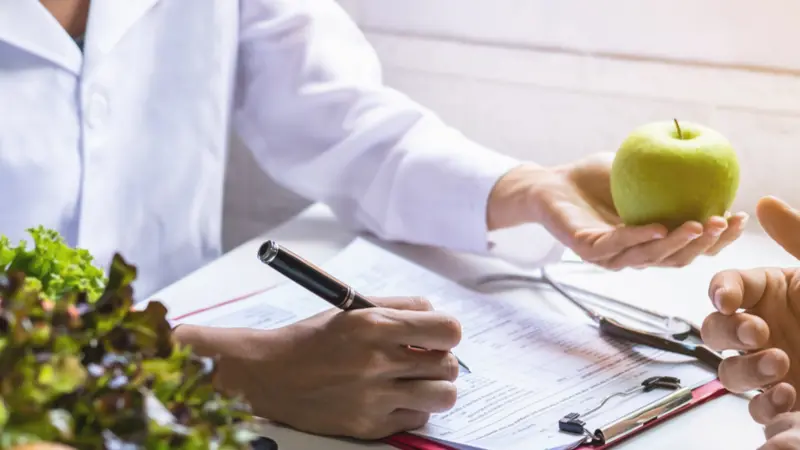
{"points": [[579, 211]]}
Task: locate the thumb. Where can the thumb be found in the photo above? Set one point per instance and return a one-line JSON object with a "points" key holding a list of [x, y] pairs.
{"points": [[781, 222]]}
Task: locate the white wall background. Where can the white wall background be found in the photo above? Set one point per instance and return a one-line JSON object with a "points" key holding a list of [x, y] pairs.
{"points": [[554, 80]]}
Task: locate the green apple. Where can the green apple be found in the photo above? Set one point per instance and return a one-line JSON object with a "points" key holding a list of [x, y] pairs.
{"points": [[672, 172]]}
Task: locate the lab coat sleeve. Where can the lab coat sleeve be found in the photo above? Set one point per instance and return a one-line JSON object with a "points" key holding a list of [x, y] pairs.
{"points": [[311, 105]]}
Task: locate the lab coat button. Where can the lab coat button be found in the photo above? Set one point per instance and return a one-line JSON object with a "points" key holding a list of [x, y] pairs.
{"points": [[97, 110]]}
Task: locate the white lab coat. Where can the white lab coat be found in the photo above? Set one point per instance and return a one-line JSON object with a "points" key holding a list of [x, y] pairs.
{"points": [[123, 147]]}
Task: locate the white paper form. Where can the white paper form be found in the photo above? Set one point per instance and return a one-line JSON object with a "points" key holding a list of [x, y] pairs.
{"points": [[528, 370]]}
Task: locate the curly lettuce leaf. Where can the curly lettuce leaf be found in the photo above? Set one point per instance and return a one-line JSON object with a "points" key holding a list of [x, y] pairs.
{"points": [[79, 366], [51, 265]]}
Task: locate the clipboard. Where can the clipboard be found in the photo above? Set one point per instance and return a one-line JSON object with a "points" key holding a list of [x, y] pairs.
{"points": [[619, 430], [622, 429]]}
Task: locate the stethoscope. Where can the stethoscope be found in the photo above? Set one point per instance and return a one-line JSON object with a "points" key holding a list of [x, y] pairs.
{"points": [[669, 333]]}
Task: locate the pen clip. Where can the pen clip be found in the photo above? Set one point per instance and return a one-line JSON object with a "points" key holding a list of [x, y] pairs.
{"points": [[630, 423]]}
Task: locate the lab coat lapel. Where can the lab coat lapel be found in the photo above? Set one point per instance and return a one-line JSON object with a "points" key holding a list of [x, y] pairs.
{"points": [[110, 20], [28, 25]]}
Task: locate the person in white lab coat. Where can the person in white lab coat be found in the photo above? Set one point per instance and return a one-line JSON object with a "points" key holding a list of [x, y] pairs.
{"points": [[119, 143]]}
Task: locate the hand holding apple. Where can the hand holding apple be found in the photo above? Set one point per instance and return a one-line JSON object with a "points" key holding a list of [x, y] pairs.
{"points": [[574, 202]]}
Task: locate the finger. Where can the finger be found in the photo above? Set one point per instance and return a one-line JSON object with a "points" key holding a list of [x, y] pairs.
{"points": [[712, 231], [408, 363], [402, 420], [781, 222], [431, 396], [788, 440], [745, 373], [654, 252], [736, 226], [731, 290], [426, 329], [781, 424], [776, 400], [404, 303], [397, 421], [736, 332]]}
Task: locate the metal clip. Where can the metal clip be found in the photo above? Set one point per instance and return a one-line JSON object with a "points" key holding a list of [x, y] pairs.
{"points": [[572, 423]]}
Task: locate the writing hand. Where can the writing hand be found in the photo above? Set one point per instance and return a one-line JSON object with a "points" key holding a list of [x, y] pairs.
{"points": [[345, 373]]}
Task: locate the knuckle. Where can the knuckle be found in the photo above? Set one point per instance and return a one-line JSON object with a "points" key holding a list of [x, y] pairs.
{"points": [[374, 364], [793, 290], [370, 320]]}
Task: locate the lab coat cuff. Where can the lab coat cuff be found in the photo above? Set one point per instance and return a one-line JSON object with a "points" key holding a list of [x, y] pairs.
{"points": [[465, 189]]}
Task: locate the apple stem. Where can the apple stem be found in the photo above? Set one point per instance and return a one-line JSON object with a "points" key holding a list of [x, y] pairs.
{"points": [[680, 134]]}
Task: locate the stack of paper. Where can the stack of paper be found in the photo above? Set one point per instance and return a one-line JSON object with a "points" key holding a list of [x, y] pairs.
{"points": [[528, 370]]}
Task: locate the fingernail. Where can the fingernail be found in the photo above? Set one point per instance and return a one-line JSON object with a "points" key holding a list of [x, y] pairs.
{"points": [[658, 235], [768, 366], [747, 334], [781, 398], [745, 218], [694, 236]]}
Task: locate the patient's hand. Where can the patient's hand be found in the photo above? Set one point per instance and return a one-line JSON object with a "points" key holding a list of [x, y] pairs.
{"points": [[783, 432], [759, 313]]}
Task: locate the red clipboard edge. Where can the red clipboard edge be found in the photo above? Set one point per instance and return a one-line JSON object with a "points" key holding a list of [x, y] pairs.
{"points": [[700, 395], [406, 441], [221, 304]]}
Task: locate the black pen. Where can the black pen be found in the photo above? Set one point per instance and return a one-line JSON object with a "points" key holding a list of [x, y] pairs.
{"points": [[315, 279]]}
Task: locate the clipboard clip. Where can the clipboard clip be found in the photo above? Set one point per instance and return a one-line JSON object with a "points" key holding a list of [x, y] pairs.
{"points": [[573, 423]]}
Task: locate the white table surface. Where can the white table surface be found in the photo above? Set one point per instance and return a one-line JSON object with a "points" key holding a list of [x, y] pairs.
{"points": [[722, 423]]}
